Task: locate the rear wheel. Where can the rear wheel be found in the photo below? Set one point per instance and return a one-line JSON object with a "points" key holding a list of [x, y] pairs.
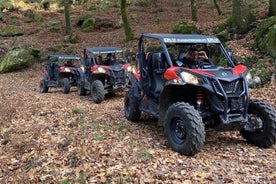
{"points": [[43, 88], [131, 103], [184, 129], [65, 85], [97, 91], [81, 90], [261, 125]]}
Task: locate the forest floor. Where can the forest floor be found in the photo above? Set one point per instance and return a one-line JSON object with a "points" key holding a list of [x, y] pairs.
{"points": [[66, 138]]}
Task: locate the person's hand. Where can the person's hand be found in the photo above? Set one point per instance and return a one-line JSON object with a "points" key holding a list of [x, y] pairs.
{"points": [[202, 54]]}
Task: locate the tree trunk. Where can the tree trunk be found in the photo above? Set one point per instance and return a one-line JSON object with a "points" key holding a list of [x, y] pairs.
{"points": [[194, 10], [67, 17], [242, 17], [272, 7], [217, 7], [128, 31]]}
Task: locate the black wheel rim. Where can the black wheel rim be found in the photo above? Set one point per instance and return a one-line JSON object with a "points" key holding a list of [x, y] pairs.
{"points": [[178, 130], [255, 123]]}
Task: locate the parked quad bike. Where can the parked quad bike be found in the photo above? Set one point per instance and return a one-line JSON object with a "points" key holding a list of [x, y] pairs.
{"points": [[60, 71], [188, 102]]}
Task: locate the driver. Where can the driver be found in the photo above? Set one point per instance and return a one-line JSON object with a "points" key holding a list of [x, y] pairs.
{"points": [[109, 60], [194, 58]]}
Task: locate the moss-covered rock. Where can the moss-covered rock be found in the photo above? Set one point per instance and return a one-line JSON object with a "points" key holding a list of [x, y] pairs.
{"points": [[6, 4], [11, 30], [271, 41], [224, 36], [16, 59], [182, 27], [263, 68], [82, 18], [88, 25], [265, 36], [224, 25]]}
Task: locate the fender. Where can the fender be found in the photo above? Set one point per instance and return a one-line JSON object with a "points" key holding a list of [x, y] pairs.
{"points": [[135, 85]]}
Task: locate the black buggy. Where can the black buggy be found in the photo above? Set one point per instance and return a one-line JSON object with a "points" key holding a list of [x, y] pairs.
{"points": [[60, 71], [100, 77], [188, 102]]}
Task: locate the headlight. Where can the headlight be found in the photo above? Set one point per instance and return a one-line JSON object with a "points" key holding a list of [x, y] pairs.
{"points": [[249, 78], [101, 70], [129, 69], [189, 78], [67, 70]]}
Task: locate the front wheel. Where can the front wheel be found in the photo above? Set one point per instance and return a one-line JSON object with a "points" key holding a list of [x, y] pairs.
{"points": [[184, 129], [65, 85], [43, 88], [131, 103], [97, 91], [260, 129], [81, 90]]}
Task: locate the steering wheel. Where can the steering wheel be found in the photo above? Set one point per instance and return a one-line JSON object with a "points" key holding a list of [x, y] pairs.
{"points": [[204, 64]]}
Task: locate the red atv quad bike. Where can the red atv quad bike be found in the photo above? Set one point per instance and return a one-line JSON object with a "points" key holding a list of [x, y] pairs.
{"points": [[188, 102], [104, 72], [60, 71]]}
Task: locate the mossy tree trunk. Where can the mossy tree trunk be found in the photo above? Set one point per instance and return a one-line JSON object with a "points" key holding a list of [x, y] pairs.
{"points": [[127, 28], [217, 7], [242, 17], [272, 7], [194, 10], [67, 17]]}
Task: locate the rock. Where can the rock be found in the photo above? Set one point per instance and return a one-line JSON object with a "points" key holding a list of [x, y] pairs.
{"points": [[16, 59]]}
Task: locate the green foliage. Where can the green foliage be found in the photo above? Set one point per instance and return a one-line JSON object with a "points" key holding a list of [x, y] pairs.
{"points": [[38, 17], [11, 30], [133, 16], [74, 38], [54, 48], [182, 27]]}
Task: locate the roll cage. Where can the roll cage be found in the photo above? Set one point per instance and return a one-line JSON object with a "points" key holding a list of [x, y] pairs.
{"points": [[179, 39]]}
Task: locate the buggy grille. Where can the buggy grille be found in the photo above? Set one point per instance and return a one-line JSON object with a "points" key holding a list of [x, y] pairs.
{"points": [[118, 77], [230, 88], [234, 91]]}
